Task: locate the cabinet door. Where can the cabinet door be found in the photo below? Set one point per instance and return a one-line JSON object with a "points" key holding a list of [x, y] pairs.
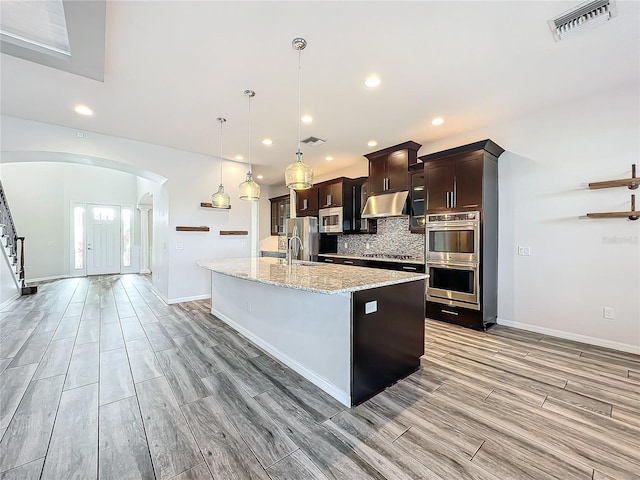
{"points": [[417, 202], [274, 217], [377, 175], [397, 171], [331, 195], [468, 182], [439, 186], [307, 202]]}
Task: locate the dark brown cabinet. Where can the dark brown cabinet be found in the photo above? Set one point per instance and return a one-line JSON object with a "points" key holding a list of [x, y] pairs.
{"points": [[331, 194], [466, 179], [456, 179], [416, 214], [389, 168], [307, 202], [280, 212]]}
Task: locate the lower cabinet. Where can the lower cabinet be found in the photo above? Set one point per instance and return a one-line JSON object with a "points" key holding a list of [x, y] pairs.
{"points": [[361, 262], [458, 315], [388, 337]]}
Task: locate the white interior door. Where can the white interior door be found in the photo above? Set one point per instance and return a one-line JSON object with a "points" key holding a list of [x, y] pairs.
{"points": [[103, 239]]}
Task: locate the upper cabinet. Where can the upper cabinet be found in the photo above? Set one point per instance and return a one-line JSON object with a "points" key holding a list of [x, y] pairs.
{"points": [[307, 202], [416, 214], [389, 168], [331, 193], [460, 178], [280, 212]]}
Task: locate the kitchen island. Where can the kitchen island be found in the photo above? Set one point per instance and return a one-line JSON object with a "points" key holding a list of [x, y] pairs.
{"points": [[352, 331]]}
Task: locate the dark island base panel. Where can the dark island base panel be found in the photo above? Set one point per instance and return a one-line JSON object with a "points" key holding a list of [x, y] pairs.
{"points": [[388, 342], [465, 317]]}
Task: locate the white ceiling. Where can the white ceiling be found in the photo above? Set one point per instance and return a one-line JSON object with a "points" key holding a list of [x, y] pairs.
{"points": [[172, 67]]}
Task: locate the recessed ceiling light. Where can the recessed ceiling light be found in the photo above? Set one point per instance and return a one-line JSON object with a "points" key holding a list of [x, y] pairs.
{"points": [[83, 110], [267, 141], [437, 121], [260, 177], [239, 157], [372, 81], [329, 159], [307, 118], [372, 143]]}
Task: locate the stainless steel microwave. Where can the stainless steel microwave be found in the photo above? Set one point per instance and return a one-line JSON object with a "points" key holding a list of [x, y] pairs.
{"points": [[330, 220]]}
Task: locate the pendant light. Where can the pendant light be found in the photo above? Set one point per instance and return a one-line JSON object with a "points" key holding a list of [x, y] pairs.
{"points": [[221, 199], [298, 175], [249, 190]]}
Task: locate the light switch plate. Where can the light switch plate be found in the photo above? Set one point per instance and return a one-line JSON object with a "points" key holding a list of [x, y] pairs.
{"points": [[179, 246], [524, 251]]}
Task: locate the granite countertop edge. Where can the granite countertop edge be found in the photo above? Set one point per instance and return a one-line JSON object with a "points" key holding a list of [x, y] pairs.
{"points": [[224, 270]]}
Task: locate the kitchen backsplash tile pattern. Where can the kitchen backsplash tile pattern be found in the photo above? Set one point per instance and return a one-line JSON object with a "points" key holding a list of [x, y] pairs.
{"points": [[393, 238]]}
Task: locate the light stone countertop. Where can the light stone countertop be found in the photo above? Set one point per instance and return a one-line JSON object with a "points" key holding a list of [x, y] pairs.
{"points": [[309, 276]]}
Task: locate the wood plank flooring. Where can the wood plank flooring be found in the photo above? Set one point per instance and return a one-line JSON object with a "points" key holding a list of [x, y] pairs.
{"points": [[101, 379]]}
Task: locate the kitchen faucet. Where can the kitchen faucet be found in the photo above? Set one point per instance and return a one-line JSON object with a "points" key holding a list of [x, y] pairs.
{"points": [[290, 244]]}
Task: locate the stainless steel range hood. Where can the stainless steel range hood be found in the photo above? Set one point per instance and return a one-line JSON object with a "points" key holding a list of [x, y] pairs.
{"points": [[386, 205]]}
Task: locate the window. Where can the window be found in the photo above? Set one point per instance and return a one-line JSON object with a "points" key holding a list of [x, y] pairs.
{"points": [[78, 237], [126, 236], [103, 213]]}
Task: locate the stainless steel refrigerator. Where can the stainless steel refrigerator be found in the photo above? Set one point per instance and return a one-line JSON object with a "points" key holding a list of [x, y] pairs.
{"points": [[303, 238]]}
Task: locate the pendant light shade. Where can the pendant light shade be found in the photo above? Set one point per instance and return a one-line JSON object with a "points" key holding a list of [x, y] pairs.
{"points": [[298, 175], [221, 199], [249, 190]]}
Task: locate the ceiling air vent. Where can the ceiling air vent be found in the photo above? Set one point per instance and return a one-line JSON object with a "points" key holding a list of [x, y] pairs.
{"points": [[313, 141], [587, 14]]}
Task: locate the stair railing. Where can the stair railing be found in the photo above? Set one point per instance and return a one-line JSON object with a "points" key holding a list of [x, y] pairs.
{"points": [[9, 232]]}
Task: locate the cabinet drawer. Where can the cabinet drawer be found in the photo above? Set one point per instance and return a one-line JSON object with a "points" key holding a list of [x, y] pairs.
{"points": [[458, 315]]}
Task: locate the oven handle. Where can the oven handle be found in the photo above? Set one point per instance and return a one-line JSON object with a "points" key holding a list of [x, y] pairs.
{"points": [[467, 266]]}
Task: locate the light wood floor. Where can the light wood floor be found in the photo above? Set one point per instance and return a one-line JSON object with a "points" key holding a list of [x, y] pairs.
{"points": [[101, 379]]}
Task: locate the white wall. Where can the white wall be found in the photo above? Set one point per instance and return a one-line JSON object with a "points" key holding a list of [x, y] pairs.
{"points": [[40, 195], [577, 265], [192, 178]]}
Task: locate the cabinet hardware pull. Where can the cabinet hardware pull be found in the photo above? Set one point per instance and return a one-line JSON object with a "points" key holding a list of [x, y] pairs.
{"points": [[409, 268], [473, 205], [348, 262], [448, 206], [328, 260], [449, 312]]}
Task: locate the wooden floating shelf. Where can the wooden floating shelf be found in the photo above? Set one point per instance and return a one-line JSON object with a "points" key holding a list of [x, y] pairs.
{"points": [[632, 183], [210, 205], [234, 232], [192, 229], [633, 214]]}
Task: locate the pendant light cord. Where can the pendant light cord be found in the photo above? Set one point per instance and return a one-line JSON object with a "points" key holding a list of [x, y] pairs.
{"points": [[222, 120], [299, 101], [250, 132]]}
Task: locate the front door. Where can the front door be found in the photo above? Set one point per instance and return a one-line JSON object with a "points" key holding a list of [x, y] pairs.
{"points": [[103, 239]]}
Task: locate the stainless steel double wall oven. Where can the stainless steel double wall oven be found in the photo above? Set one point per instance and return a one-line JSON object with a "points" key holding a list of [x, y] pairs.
{"points": [[453, 258]]}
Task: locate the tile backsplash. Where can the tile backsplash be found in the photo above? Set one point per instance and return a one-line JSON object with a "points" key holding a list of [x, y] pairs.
{"points": [[393, 238]]}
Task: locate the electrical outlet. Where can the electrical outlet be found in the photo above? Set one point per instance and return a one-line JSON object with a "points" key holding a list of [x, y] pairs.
{"points": [[524, 251], [346, 245], [608, 313], [368, 246], [179, 246], [51, 243]]}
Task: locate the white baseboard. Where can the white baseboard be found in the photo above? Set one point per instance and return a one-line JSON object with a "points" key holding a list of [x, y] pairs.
{"points": [[157, 293], [45, 279], [188, 299], [340, 395], [145, 270], [623, 347], [10, 300]]}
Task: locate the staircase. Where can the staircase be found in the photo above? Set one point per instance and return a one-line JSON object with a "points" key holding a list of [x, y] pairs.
{"points": [[10, 243]]}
